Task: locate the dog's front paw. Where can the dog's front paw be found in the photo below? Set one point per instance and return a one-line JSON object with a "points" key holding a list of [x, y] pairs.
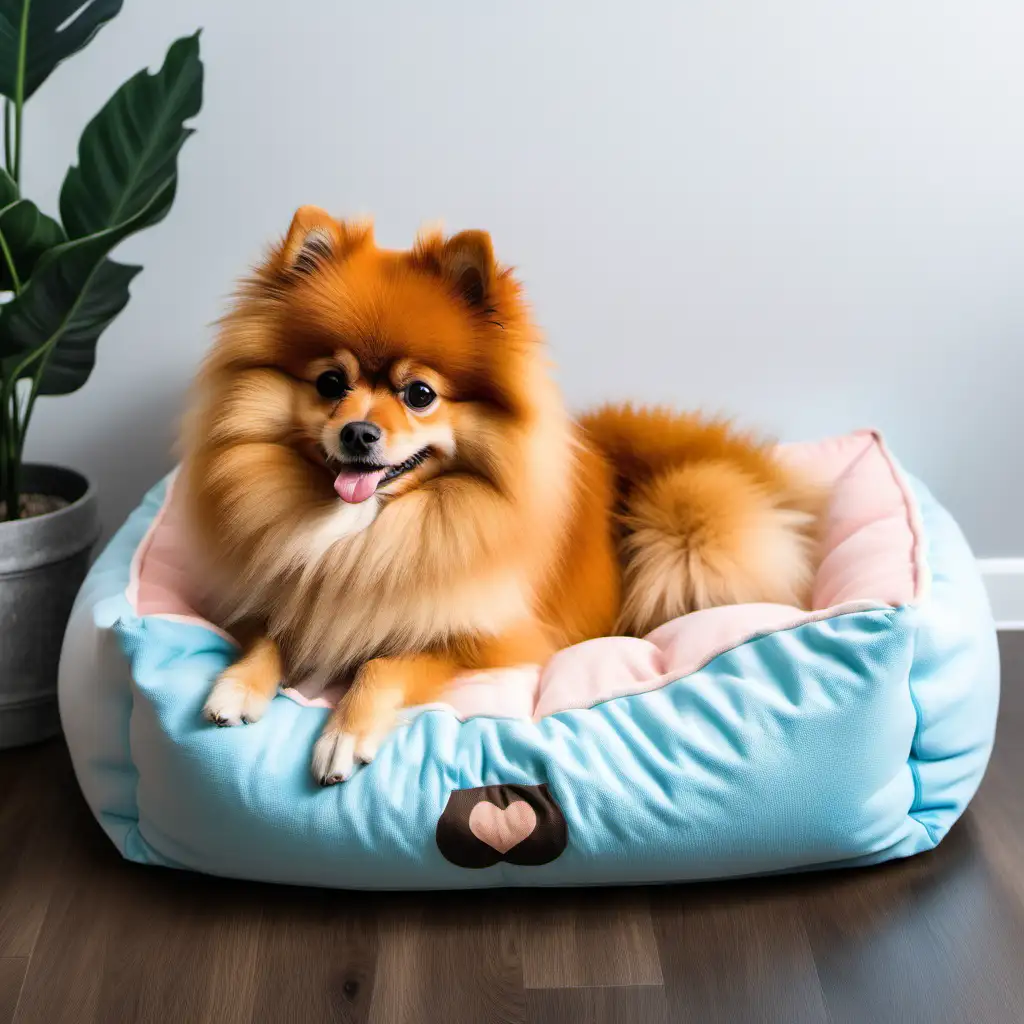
{"points": [[232, 702], [337, 752]]}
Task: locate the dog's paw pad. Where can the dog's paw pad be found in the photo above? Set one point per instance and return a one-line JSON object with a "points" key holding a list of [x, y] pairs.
{"points": [[232, 703], [334, 757], [367, 746]]}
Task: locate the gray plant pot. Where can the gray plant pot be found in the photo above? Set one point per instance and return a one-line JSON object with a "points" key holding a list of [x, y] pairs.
{"points": [[43, 561]]}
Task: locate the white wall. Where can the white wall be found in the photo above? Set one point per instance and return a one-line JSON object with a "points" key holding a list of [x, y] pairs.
{"points": [[810, 213]]}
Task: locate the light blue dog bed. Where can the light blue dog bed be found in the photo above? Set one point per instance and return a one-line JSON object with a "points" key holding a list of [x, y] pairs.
{"points": [[731, 742]]}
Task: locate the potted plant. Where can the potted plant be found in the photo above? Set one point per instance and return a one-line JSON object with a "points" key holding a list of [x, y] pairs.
{"points": [[61, 290]]}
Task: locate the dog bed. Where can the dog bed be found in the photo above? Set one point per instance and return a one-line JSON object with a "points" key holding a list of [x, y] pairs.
{"points": [[734, 741]]}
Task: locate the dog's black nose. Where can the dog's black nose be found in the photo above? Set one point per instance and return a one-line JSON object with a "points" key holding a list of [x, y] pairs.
{"points": [[359, 437]]}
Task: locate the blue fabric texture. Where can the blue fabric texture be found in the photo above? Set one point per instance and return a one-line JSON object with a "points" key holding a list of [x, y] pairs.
{"points": [[852, 740]]}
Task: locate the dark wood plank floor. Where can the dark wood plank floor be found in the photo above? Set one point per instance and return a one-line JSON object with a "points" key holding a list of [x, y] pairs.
{"points": [[86, 937]]}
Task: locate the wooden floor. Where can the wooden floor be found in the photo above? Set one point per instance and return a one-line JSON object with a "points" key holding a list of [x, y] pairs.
{"points": [[86, 937]]}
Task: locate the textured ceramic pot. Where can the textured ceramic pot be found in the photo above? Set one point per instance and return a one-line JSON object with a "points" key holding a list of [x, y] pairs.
{"points": [[43, 561]]}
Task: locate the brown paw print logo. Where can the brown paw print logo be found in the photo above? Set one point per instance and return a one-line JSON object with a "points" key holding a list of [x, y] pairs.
{"points": [[517, 824]]}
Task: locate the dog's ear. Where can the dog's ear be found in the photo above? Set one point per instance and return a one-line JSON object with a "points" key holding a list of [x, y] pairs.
{"points": [[465, 260], [316, 238]]}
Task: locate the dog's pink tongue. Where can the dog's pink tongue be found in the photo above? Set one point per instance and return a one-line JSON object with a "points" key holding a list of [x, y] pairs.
{"points": [[354, 487]]}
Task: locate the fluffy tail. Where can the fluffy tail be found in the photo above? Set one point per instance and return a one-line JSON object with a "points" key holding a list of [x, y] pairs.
{"points": [[709, 516]]}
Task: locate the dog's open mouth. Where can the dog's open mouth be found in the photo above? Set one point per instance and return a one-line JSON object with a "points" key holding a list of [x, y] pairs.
{"points": [[356, 481]]}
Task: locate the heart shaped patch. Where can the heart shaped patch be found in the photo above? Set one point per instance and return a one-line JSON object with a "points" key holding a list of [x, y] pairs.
{"points": [[502, 829], [512, 823]]}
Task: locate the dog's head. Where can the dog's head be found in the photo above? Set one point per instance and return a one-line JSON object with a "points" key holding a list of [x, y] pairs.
{"points": [[384, 368]]}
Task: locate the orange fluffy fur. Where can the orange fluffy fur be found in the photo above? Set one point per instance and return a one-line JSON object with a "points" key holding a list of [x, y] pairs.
{"points": [[519, 531]]}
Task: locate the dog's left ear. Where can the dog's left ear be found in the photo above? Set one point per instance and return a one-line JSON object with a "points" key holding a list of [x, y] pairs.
{"points": [[467, 261], [313, 238], [316, 238]]}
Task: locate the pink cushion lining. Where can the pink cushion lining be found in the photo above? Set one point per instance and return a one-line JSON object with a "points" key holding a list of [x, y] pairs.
{"points": [[873, 559]]}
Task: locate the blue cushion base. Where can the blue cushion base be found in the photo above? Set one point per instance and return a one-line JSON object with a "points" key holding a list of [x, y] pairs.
{"points": [[852, 740]]}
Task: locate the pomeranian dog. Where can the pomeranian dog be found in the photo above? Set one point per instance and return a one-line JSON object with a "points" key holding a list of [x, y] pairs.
{"points": [[386, 487]]}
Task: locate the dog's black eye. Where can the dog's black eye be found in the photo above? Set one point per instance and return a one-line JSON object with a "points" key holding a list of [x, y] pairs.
{"points": [[332, 384], [419, 395]]}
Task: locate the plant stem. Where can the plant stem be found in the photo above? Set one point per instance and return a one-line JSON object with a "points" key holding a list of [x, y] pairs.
{"points": [[4, 430], [19, 88], [8, 151], [16, 421], [27, 415], [9, 456], [15, 280], [13, 438], [12, 432]]}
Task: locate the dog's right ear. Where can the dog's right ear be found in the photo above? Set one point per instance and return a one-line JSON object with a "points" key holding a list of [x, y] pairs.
{"points": [[315, 239], [465, 260]]}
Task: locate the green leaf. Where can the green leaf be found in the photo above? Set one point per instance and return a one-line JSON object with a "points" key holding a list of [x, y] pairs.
{"points": [[127, 157], [125, 182], [8, 189], [27, 234], [54, 324], [75, 355], [55, 30]]}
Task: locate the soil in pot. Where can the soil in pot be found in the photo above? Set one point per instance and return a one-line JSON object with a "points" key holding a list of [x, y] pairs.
{"points": [[35, 505]]}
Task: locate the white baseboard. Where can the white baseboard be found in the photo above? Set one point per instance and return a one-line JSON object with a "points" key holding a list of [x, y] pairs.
{"points": [[1004, 580]]}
